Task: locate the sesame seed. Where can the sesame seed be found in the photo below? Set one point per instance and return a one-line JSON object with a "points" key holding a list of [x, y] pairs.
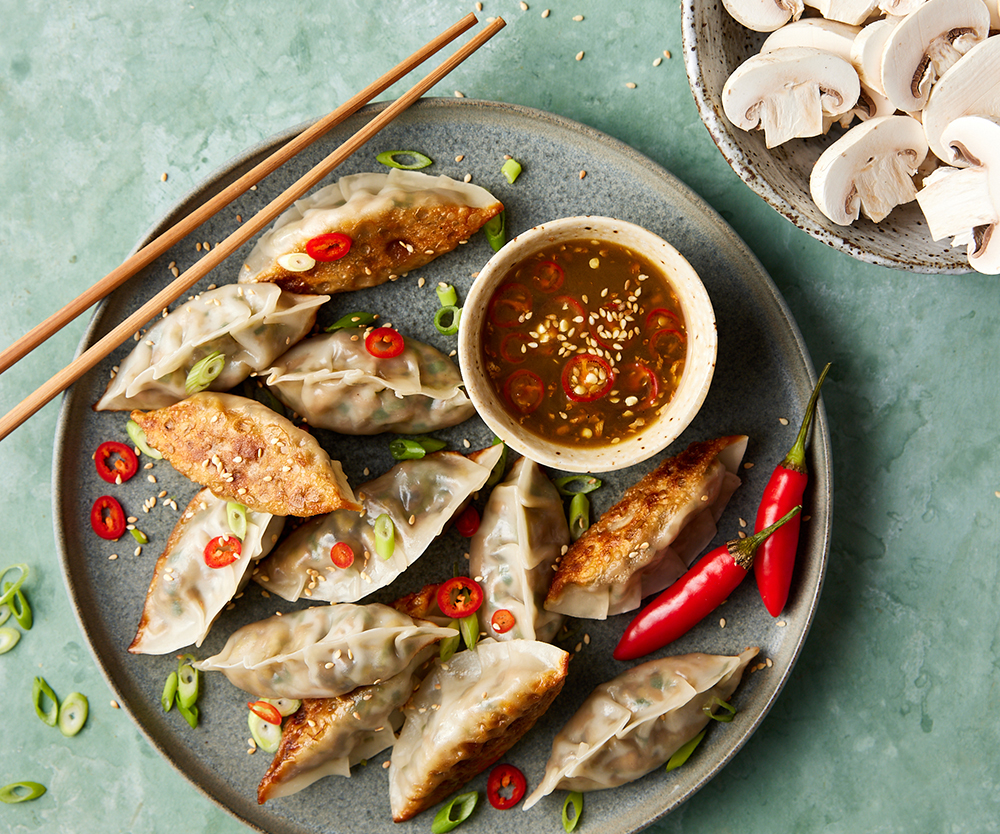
{"points": [[748, 466], [578, 17], [630, 85], [666, 54], [479, 7], [743, 522], [722, 623], [783, 421], [524, 6], [112, 557], [163, 177], [115, 705], [385, 765], [579, 55], [583, 174], [459, 94], [781, 624], [546, 13], [657, 62], [768, 663], [467, 178]]}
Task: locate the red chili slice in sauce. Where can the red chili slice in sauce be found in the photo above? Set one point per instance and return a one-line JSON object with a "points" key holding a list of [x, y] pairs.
{"points": [[587, 377], [342, 555], [505, 786], [549, 276], [467, 522], [524, 390], [662, 317], [124, 463], [107, 518], [384, 343], [509, 304], [329, 247], [640, 381], [265, 711], [459, 597], [667, 341], [502, 621], [222, 551], [513, 347]]}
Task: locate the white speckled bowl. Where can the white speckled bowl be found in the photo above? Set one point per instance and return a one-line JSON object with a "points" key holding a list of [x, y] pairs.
{"points": [[699, 364], [714, 45]]}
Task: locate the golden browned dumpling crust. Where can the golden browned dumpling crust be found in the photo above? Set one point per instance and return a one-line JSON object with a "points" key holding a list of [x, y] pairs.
{"points": [[404, 239], [245, 452]]}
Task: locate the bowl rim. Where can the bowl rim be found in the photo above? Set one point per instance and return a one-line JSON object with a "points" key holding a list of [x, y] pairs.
{"points": [[673, 419]]}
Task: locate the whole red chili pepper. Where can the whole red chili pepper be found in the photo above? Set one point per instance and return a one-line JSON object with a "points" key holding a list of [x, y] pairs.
{"points": [[776, 557], [694, 596]]}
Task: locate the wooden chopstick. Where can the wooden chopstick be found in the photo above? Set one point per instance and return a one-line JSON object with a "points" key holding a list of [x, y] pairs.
{"points": [[102, 348], [152, 250]]}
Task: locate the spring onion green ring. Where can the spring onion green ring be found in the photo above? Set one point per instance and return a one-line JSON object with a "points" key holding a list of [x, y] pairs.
{"points": [[204, 372], [236, 515], [684, 752], [265, 735], [138, 437], [8, 638], [450, 645], [11, 588], [19, 607], [169, 692], [20, 792], [500, 467], [574, 800], [469, 626], [419, 160], [403, 449], [579, 515], [284, 706], [455, 813], [4, 614], [73, 713], [571, 485], [496, 231], [446, 320], [139, 536], [511, 169], [41, 690], [727, 715], [187, 685], [385, 536], [190, 714], [352, 320], [447, 295]]}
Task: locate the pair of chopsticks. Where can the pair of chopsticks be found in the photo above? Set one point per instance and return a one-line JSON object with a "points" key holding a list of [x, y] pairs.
{"points": [[101, 349]]}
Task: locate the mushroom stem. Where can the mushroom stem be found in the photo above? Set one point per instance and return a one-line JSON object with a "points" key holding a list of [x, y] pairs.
{"points": [[955, 201]]}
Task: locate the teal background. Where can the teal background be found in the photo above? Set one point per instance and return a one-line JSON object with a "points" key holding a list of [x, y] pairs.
{"points": [[887, 724]]}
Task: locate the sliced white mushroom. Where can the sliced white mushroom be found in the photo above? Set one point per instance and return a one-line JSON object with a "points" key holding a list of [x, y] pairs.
{"points": [[764, 15], [788, 92], [869, 170], [854, 12], [899, 8], [925, 44], [867, 49], [964, 203], [970, 88]]}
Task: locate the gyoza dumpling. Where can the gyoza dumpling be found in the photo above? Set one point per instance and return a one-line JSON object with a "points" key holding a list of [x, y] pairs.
{"points": [[466, 714], [633, 724], [333, 382], [322, 652], [648, 539], [522, 532], [243, 451], [419, 496], [395, 223], [250, 326], [186, 595]]}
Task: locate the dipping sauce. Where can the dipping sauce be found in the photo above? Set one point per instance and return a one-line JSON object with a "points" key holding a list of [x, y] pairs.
{"points": [[585, 341]]}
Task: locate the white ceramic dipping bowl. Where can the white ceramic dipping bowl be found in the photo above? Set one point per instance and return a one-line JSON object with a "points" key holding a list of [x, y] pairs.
{"points": [[673, 418]]}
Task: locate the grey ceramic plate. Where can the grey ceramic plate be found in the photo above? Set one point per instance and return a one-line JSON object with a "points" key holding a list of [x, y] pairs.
{"points": [[763, 374]]}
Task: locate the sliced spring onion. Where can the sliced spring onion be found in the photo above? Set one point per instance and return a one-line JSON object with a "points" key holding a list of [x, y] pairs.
{"points": [[187, 685], [419, 160], [496, 231], [684, 752], [4, 614], [414, 448], [11, 587], [20, 792], [40, 690], [352, 320], [73, 714], [236, 515], [511, 169], [579, 515], [571, 485], [447, 295], [450, 645], [469, 626], [571, 810], [385, 536], [204, 372], [190, 714], [455, 812], [266, 736], [500, 467], [284, 706], [297, 262], [19, 607], [8, 638], [727, 715], [446, 320], [139, 536], [169, 692], [138, 437]]}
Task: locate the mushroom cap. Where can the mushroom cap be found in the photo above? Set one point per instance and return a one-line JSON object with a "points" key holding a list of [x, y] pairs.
{"points": [[854, 12], [964, 90], [764, 15], [867, 49], [817, 32], [870, 168], [925, 43]]}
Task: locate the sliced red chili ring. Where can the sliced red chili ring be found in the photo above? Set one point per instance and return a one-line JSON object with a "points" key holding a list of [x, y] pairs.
{"points": [[222, 551], [549, 276], [639, 380], [662, 317], [524, 390], [384, 343], [511, 347], [587, 377], [567, 307], [667, 342], [509, 304], [125, 463], [502, 621], [265, 711], [459, 597], [467, 522], [505, 786], [342, 555], [328, 247], [107, 518]]}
